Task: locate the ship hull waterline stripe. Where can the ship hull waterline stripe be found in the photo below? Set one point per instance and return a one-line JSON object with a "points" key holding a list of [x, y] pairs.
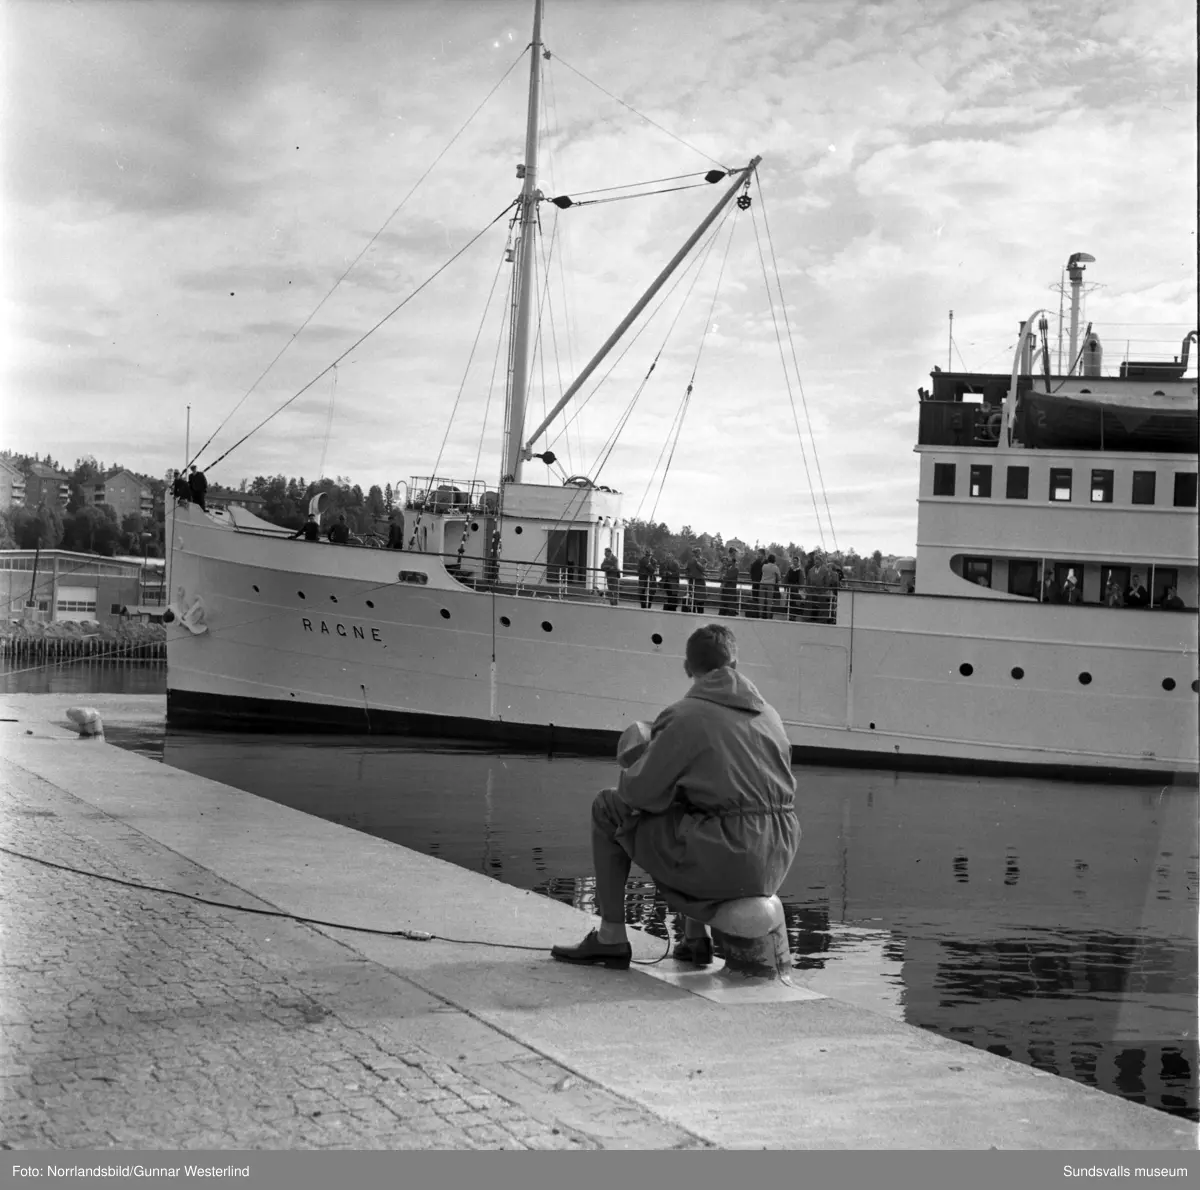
{"points": [[224, 712]]}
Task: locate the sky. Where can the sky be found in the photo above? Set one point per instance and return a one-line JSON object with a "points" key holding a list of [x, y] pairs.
{"points": [[187, 185]]}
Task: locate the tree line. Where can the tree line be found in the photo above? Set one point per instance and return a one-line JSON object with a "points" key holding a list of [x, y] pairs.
{"points": [[94, 528]]}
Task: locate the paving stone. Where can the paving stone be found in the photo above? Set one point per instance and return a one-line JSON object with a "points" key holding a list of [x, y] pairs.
{"points": [[134, 1020]]}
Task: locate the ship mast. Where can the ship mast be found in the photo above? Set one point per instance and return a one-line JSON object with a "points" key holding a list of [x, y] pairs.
{"points": [[519, 375]]}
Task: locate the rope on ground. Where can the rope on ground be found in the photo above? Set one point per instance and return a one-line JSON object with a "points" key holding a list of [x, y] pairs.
{"points": [[409, 935]]}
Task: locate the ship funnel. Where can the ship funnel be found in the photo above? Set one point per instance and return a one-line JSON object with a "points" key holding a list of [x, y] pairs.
{"points": [[1093, 355]]}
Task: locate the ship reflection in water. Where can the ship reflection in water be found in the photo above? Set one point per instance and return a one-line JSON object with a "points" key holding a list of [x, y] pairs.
{"points": [[1051, 923]]}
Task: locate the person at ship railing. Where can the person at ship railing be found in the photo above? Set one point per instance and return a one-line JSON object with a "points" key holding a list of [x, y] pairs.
{"points": [[669, 578], [981, 581], [793, 580], [1071, 592], [310, 530], [697, 577], [756, 570], [612, 575], [197, 486], [1135, 593], [705, 804], [395, 539], [1050, 593], [771, 578], [339, 531], [646, 569], [1113, 596], [729, 584], [180, 489], [1171, 601]]}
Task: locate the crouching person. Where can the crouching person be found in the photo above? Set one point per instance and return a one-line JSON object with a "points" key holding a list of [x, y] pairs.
{"points": [[708, 809]]}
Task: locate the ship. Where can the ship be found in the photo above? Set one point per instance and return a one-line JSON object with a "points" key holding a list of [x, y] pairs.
{"points": [[1002, 648]]}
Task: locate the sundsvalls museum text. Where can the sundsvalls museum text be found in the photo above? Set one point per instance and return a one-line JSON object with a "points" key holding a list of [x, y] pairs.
{"points": [[131, 1171]]}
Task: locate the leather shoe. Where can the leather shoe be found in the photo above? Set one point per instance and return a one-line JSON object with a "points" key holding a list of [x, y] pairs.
{"points": [[615, 955], [694, 950]]}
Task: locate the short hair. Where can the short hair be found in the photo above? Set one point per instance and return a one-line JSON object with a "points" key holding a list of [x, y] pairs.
{"points": [[711, 647], [770, 557]]}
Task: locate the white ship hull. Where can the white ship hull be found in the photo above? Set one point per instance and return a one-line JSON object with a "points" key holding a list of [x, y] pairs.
{"points": [[321, 637]]}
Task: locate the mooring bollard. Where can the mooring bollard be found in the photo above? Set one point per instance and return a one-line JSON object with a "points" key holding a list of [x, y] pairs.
{"points": [[752, 933], [87, 720]]}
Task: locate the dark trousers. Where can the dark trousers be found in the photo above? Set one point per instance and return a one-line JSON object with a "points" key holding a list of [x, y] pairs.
{"points": [[696, 588], [610, 861], [614, 587], [729, 599], [644, 582]]}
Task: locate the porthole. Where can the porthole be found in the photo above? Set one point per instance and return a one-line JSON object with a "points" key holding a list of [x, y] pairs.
{"points": [[445, 614], [474, 526], [1168, 683], [656, 638], [505, 621], [256, 588], [518, 529], [1085, 679], [333, 598], [1018, 673], [370, 604], [872, 726], [300, 593], [1196, 686], [547, 626], [966, 669]]}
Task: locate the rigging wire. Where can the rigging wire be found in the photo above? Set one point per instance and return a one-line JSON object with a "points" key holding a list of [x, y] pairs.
{"points": [[795, 364], [458, 396], [328, 425], [592, 202], [703, 260], [641, 115], [363, 338], [695, 367], [366, 248], [647, 182], [695, 261]]}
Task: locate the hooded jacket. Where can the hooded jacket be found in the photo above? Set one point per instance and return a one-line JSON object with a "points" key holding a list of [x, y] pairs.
{"points": [[716, 797]]}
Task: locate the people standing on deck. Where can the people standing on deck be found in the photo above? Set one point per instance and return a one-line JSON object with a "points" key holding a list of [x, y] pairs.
{"points": [[756, 570], [818, 580], [197, 486], [310, 530], [669, 577], [611, 569], [339, 531], [1135, 594], [180, 489], [1171, 601], [1049, 590], [1071, 592], [793, 580], [1112, 593], [729, 584], [645, 570], [769, 587], [697, 581]]}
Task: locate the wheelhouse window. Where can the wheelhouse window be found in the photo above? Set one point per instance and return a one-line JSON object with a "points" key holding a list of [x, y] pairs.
{"points": [[1023, 576], [1060, 483], [978, 571], [1102, 487], [1185, 489], [1018, 484], [943, 479], [1143, 487], [981, 480]]}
